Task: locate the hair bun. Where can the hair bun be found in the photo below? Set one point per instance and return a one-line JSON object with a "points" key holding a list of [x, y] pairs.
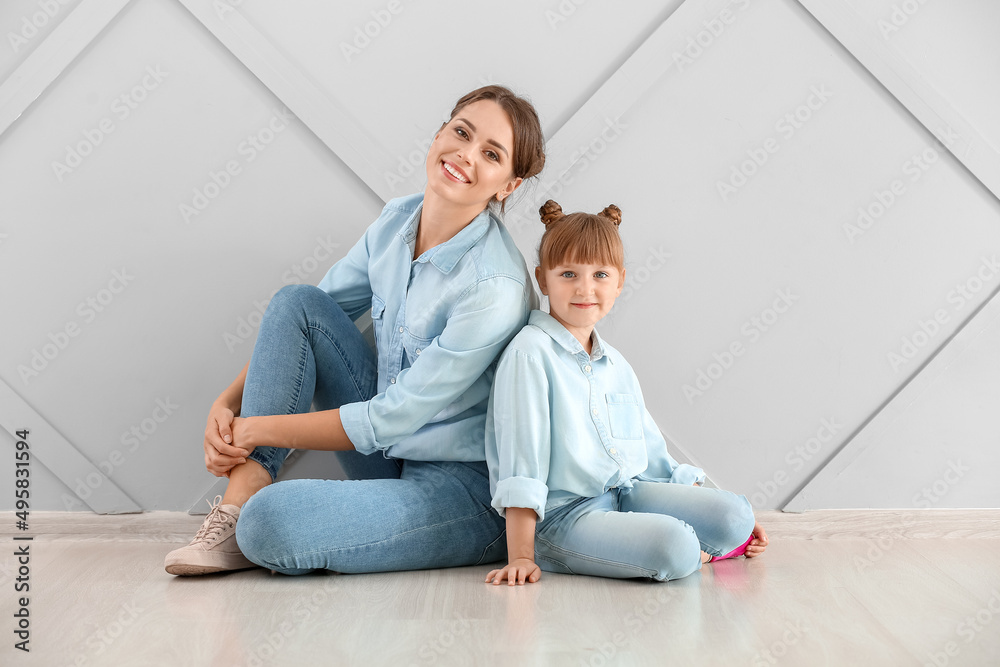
{"points": [[613, 213], [550, 212]]}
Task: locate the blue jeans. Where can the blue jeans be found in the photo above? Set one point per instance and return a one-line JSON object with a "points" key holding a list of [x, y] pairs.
{"points": [[393, 514], [656, 531]]}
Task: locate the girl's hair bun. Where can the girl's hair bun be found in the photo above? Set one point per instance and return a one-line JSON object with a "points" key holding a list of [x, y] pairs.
{"points": [[612, 213], [550, 212]]}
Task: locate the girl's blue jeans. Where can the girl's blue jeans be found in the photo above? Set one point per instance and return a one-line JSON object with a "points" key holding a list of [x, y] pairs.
{"points": [[657, 531], [392, 514]]}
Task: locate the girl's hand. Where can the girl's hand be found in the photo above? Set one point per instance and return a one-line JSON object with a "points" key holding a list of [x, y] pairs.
{"points": [[220, 455], [517, 572], [759, 543]]}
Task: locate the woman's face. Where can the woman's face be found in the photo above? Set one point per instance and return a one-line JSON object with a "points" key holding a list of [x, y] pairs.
{"points": [[470, 159]]}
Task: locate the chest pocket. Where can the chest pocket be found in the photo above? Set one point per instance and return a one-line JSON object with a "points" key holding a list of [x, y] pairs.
{"points": [[624, 416], [414, 345], [378, 319]]}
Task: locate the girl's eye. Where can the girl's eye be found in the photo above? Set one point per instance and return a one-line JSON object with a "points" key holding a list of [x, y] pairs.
{"points": [[568, 274], [601, 274]]}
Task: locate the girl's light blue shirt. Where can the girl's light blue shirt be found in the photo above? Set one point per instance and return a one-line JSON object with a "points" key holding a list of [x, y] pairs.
{"points": [[563, 424], [441, 320]]}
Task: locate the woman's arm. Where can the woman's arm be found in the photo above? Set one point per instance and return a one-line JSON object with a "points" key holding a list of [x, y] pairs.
{"points": [[521, 565], [310, 430]]}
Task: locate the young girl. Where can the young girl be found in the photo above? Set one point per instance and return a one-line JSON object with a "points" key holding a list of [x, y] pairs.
{"points": [[577, 465], [447, 289]]}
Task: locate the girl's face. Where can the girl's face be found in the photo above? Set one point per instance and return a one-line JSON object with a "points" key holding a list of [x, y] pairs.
{"points": [[470, 159], [580, 294]]}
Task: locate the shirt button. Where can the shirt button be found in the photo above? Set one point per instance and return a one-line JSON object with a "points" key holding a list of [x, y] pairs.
{"points": [[418, 350], [595, 411], [614, 451], [586, 368], [392, 381], [400, 329]]}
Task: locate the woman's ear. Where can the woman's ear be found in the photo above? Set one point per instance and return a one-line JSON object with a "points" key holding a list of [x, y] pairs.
{"points": [[509, 188], [540, 277]]}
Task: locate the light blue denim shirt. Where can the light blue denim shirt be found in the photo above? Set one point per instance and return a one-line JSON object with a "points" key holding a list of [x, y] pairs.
{"points": [[563, 424], [441, 320]]}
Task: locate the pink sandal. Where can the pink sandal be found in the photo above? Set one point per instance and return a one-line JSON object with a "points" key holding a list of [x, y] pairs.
{"points": [[738, 551]]}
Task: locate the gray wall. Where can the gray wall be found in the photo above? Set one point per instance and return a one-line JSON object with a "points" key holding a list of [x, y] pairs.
{"points": [[810, 209]]}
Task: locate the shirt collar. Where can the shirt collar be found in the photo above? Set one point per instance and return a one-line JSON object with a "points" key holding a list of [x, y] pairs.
{"points": [[446, 255], [566, 340]]}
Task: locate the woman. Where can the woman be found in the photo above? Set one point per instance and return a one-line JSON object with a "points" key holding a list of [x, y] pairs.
{"points": [[448, 289]]}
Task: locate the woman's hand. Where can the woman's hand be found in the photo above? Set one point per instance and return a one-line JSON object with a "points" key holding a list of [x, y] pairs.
{"points": [[220, 455], [759, 543], [517, 572]]}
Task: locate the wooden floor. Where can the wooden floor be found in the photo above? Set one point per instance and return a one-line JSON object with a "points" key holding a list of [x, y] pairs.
{"points": [[834, 588]]}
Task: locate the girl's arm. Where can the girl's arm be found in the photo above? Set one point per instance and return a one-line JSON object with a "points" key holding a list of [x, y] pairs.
{"points": [[520, 549]]}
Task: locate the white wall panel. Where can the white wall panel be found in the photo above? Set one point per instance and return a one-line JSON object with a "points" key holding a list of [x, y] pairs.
{"points": [[935, 445]]}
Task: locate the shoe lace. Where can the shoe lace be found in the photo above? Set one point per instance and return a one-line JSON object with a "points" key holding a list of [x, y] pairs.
{"points": [[216, 521]]}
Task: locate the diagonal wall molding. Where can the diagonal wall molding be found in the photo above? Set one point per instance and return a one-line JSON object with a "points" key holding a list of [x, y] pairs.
{"points": [[327, 119], [861, 39], [53, 56], [58, 454]]}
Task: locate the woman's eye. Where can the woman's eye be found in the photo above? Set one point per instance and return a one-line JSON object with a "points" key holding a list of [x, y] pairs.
{"points": [[493, 156], [461, 132]]}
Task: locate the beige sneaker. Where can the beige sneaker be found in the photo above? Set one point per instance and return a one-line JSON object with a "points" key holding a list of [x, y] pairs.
{"points": [[214, 548]]}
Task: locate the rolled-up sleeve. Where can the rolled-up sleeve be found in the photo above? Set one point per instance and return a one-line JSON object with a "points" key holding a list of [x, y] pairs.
{"points": [[479, 326], [520, 447]]}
